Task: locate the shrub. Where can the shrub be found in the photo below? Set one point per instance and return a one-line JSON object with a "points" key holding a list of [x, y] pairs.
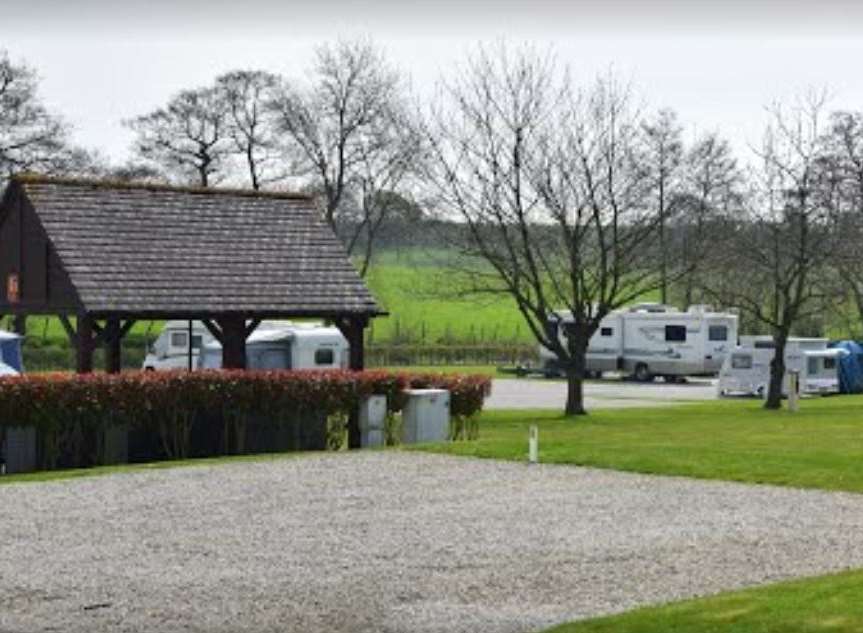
{"points": [[71, 411]]}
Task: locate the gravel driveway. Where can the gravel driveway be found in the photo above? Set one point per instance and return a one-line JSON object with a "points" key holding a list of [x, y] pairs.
{"points": [[394, 542], [539, 393]]}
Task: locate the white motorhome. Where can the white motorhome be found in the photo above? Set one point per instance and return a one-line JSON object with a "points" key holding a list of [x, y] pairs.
{"points": [[170, 350], [287, 345], [746, 371], [649, 340]]}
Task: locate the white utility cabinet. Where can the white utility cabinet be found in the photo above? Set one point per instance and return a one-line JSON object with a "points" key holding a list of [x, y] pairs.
{"points": [[426, 416], [373, 415]]}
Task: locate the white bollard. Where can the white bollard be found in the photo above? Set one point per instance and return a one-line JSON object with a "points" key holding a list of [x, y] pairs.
{"points": [[533, 445], [793, 390]]}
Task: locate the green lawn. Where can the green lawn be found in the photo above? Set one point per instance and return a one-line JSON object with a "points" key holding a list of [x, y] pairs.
{"points": [[820, 446], [829, 604]]}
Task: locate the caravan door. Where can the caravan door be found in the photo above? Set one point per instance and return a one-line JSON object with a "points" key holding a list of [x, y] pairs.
{"points": [[720, 339]]}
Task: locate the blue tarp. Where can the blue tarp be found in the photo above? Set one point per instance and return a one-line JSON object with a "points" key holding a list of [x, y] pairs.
{"points": [[10, 350], [850, 367]]}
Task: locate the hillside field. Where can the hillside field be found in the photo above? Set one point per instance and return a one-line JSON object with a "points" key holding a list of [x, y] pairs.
{"points": [[417, 288], [404, 284]]}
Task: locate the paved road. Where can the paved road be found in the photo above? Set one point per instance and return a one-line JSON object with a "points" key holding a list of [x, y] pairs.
{"points": [[539, 393], [394, 542]]}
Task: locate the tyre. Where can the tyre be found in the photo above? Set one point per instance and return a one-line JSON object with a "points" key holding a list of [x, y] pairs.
{"points": [[642, 373]]}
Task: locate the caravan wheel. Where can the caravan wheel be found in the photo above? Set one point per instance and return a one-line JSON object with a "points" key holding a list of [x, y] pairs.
{"points": [[642, 373]]}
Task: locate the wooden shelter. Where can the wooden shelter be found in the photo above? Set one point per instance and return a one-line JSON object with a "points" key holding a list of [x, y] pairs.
{"points": [[112, 253]]}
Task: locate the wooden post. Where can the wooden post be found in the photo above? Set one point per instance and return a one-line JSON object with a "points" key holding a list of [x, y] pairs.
{"points": [[86, 343], [355, 340], [353, 331], [19, 325], [233, 342], [113, 348]]}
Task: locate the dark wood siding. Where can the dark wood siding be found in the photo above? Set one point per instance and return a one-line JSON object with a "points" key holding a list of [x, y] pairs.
{"points": [[10, 240], [25, 249]]}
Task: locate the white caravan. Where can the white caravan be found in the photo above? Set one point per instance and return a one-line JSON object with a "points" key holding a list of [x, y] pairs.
{"points": [[287, 345], [171, 349], [747, 369], [649, 339], [6, 370]]}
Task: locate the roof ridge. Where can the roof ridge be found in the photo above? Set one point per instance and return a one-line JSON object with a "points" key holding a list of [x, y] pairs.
{"points": [[29, 178]]}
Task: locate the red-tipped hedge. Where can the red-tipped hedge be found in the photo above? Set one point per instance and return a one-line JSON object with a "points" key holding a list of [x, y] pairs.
{"points": [[48, 401]]}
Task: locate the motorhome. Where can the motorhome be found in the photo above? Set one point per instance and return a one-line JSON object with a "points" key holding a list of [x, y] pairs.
{"points": [[287, 345], [650, 339], [170, 350], [746, 371]]}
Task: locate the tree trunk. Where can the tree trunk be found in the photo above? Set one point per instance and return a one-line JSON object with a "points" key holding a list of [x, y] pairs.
{"points": [[574, 392], [663, 264], [575, 369], [19, 325], [777, 374]]}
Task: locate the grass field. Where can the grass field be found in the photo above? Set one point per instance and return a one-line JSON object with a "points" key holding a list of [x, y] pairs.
{"points": [[820, 446], [417, 315], [417, 288], [409, 289], [829, 604]]}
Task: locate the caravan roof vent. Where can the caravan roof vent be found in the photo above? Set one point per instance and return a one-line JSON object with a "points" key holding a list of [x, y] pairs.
{"points": [[700, 308], [651, 307]]}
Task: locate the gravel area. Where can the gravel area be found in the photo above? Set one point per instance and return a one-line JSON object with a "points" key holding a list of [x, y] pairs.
{"points": [[394, 542], [540, 393]]}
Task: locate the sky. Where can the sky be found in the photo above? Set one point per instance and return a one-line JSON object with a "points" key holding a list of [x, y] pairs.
{"points": [[718, 64]]}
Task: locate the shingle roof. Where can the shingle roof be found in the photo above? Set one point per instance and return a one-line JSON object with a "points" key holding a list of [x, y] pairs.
{"points": [[159, 249]]}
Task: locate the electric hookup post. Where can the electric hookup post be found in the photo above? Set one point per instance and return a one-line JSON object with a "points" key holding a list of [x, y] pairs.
{"points": [[793, 390], [533, 445]]}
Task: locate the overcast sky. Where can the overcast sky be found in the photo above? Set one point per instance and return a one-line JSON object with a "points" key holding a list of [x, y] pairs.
{"points": [[717, 63]]}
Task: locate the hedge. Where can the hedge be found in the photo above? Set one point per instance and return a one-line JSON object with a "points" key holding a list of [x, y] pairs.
{"points": [[64, 408]]}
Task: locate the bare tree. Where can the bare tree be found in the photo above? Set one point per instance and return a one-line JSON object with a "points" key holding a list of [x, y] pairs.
{"points": [[663, 157], [133, 171], [548, 185], [774, 266], [844, 155], [710, 191], [351, 127], [189, 138], [251, 124], [389, 159], [31, 138]]}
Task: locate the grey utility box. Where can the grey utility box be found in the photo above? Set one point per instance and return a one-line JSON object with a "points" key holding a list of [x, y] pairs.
{"points": [[373, 416], [115, 445], [19, 449], [426, 416]]}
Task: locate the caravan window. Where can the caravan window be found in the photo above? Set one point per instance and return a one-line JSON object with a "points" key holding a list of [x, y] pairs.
{"points": [[741, 361], [718, 333], [324, 357], [272, 359], [197, 341], [675, 333], [178, 339], [812, 365], [606, 331], [829, 363]]}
